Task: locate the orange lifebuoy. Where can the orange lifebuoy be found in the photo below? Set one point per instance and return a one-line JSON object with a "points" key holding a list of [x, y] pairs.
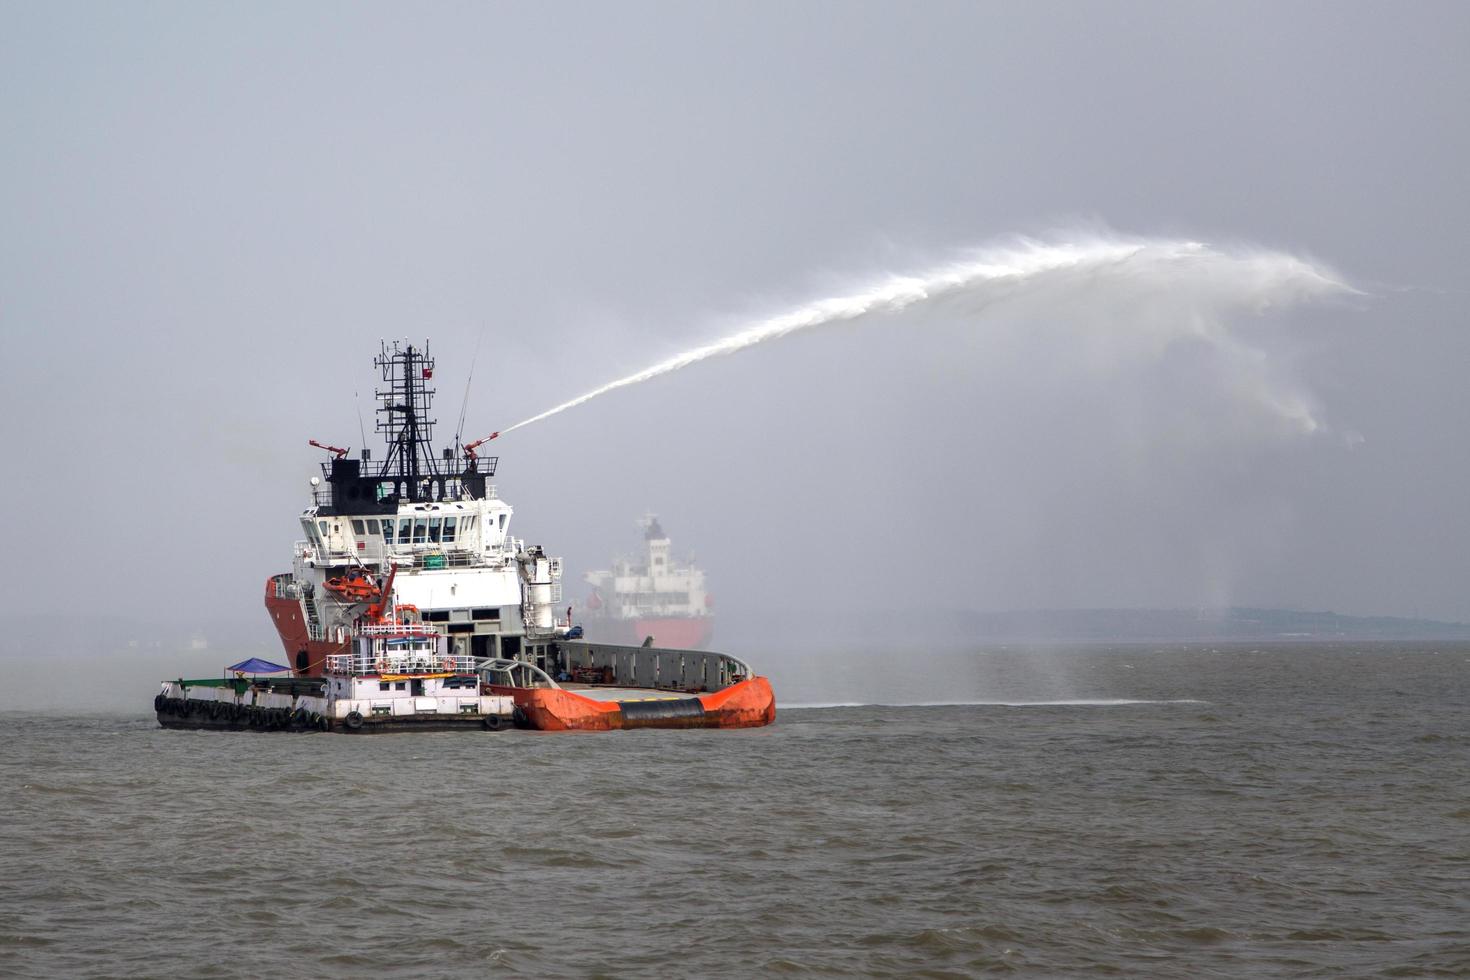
{"points": [[382, 665], [448, 663]]}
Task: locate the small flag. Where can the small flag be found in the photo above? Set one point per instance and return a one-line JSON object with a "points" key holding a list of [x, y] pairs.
{"points": [[428, 373]]}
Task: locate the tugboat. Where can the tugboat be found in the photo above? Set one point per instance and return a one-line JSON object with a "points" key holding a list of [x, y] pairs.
{"points": [[409, 606], [653, 594], [396, 677]]}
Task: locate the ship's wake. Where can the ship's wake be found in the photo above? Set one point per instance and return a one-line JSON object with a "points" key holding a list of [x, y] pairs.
{"points": [[982, 703], [1197, 285]]}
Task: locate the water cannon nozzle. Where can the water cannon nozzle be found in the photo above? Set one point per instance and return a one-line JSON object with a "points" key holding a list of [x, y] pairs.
{"points": [[469, 449]]}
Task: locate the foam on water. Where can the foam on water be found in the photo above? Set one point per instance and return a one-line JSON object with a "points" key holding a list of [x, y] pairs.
{"points": [[1052, 703]]}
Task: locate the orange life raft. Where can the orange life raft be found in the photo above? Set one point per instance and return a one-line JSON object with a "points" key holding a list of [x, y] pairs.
{"points": [[358, 588]]}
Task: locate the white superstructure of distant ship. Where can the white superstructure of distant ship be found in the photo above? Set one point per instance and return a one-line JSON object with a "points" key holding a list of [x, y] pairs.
{"points": [[651, 594]]}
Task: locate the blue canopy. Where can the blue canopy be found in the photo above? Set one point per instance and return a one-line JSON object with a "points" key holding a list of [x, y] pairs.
{"points": [[257, 666]]}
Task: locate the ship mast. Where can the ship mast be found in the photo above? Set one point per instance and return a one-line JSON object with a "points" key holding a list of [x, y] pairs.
{"points": [[403, 416], [410, 472]]}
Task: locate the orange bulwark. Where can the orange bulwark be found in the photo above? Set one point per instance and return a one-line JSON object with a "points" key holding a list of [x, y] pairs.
{"points": [[748, 704]]}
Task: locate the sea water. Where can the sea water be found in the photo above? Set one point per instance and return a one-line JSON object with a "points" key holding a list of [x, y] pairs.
{"points": [[1145, 811]]}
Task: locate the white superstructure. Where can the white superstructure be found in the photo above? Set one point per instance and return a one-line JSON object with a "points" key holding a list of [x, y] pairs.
{"points": [[415, 537]]}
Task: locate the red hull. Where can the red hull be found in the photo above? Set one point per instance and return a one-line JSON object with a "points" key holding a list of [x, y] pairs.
{"points": [[671, 633], [307, 657], [749, 704]]}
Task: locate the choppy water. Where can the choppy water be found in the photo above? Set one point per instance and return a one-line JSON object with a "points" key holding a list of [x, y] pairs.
{"points": [[1279, 812]]}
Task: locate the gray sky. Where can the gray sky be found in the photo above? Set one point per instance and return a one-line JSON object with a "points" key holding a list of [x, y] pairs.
{"points": [[210, 214]]}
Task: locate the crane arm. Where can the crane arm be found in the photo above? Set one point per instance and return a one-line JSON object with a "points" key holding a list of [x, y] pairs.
{"points": [[331, 449], [376, 610]]}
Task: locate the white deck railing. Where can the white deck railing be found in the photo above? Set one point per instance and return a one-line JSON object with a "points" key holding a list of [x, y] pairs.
{"points": [[361, 664]]}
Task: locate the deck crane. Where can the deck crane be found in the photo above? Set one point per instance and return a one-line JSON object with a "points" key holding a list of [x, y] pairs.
{"points": [[375, 612], [331, 449]]}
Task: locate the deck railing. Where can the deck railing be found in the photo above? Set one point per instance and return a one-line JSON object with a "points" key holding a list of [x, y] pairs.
{"points": [[285, 587], [362, 664], [680, 670], [451, 489], [515, 673], [426, 555]]}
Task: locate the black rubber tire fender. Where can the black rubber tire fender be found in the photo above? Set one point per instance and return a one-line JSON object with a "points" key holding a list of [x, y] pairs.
{"points": [[492, 723], [353, 720]]}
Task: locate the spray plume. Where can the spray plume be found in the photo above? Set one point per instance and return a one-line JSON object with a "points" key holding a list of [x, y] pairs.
{"points": [[1183, 274]]}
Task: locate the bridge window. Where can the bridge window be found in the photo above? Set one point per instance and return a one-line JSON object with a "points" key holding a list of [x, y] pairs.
{"points": [[448, 529], [359, 528], [405, 530], [420, 530], [323, 526], [372, 525], [434, 524]]}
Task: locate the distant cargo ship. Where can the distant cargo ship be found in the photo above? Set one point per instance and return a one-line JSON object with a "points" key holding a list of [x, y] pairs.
{"points": [[652, 594]]}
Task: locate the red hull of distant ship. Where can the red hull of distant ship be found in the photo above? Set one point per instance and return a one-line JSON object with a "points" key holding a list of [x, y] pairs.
{"points": [[674, 633]]}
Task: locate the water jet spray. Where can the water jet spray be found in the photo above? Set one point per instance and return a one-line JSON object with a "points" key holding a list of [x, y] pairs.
{"points": [[1234, 278]]}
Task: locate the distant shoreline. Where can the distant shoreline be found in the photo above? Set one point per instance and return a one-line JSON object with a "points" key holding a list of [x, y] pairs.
{"points": [[748, 630], [1088, 626]]}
